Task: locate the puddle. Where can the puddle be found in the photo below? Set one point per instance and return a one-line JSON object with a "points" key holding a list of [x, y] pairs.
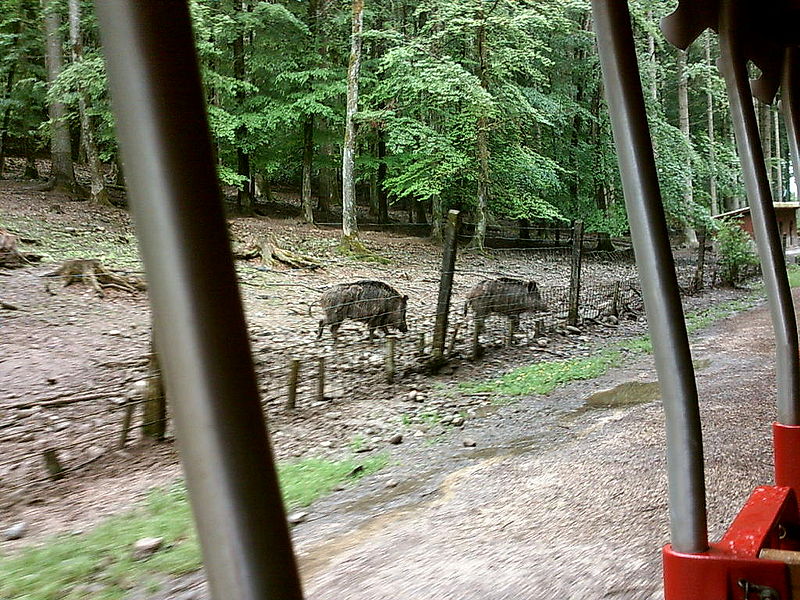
{"points": [[625, 394], [515, 448]]}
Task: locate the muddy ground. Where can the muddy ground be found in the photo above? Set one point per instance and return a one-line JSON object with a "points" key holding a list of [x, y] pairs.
{"points": [[563, 496], [65, 343]]}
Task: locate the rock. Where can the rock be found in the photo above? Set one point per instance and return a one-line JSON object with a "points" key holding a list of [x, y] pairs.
{"points": [[573, 329], [412, 395], [392, 483], [297, 518], [469, 443], [114, 332], [458, 421], [612, 320], [397, 438], [146, 547], [52, 380], [16, 531], [326, 444], [543, 342]]}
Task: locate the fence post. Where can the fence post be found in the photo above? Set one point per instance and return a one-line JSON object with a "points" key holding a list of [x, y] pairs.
{"points": [[127, 416], [615, 299], [575, 274], [445, 288], [321, 379], [154, 417], [699, 273], [389, 364], [421, 345], [294, 373]]}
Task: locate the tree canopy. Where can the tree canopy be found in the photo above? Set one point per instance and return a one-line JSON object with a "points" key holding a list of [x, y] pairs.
{"points": [[494, 107]]}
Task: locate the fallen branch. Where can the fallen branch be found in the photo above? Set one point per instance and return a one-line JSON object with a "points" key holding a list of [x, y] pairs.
{"points": [[65, 399]]}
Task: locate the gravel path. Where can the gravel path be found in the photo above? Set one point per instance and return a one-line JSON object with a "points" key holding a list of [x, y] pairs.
{"points": [[558, 500]]}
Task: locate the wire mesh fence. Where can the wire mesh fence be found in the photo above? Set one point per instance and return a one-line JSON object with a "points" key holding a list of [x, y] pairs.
{"points": [[42, 439]]}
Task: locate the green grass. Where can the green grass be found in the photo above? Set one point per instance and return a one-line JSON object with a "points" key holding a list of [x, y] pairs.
{"points": [[544, 377], [794, 275], [64, 567]]}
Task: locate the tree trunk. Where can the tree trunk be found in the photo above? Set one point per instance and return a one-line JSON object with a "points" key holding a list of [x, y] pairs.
{"points": [[437, 219], [652, 61], [766, 135], [244, 199], [349, 221], [383, 197], [308, 163], [683, 116], [712, 153], [308, 126], [419, 209], [482, 145], [99, 193], [62, 173]]}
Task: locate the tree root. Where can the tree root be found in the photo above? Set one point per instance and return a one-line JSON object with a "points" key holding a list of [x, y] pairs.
{"points": [[10, 257], [92, 272], [270, 251], [352, 246]]}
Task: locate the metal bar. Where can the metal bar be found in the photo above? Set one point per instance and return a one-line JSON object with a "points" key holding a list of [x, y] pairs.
{"points": [[202, 337], [765, 224], [790, 106], [657, 272]]}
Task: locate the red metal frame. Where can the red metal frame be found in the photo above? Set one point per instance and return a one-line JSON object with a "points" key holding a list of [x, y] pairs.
{"points": [[769, 519]]}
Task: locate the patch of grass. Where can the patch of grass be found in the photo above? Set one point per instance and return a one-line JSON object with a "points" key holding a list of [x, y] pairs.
{"points": [[98, 564], [793, 272], [544, 377]]}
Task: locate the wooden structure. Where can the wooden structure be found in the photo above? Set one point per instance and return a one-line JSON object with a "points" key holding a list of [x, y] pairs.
{"points": [[785, 213]]}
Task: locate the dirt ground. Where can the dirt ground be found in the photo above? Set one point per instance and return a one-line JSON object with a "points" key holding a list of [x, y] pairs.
{"points": [[559, 499], [514, 506]]}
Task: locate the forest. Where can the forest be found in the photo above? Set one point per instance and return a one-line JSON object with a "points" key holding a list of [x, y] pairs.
{"points": [[492, 107]]}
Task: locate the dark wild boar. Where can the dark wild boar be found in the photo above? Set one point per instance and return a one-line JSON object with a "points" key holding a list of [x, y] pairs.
{"points": [[375, 303], [504, 296]]}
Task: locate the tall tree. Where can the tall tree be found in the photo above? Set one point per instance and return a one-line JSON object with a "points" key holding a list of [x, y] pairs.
{"points": [[712, 153], [62, 173], [683, 116], [349, 220], [99, 193]]}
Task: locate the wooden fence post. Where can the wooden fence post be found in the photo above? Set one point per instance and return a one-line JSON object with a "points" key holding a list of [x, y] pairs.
{"points": [[321, 379], [615, 299], [294, 373], [389, 364], [445, 288], [127, 416], [575, 274], [154, 415]]}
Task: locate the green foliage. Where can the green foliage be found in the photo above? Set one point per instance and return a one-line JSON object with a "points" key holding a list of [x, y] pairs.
{"points": [[736, 252], [62, 568]]}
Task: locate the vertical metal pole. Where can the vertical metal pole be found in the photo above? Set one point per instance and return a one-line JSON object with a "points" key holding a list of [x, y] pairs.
{"points": [[657, 271], [765, 224], [790, 105], [202, 337]]}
